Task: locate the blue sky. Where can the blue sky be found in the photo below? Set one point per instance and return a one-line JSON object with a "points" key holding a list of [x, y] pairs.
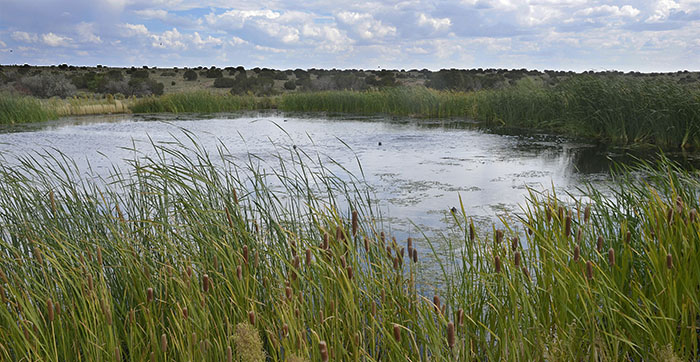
{"points": [[575, 35]]}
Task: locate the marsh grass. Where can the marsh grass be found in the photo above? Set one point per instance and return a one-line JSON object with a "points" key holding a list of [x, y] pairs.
{"points": [[20, 109], [201, 102], [188, 255]]}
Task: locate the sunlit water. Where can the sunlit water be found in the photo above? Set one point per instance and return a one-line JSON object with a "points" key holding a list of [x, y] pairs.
{"points": [[417, 169]]}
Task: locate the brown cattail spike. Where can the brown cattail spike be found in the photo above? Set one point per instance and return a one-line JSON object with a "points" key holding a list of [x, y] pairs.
{"points": [[600, 244], [251, 317], [499, 236], [397, 332], [366, 244], [436, 302], [229, 354], [497, 264], [163, 342], [451, 335], [409, 246], [288, 292], [415, 255], [117, 354], [628, 237], [589, 270], [49, 309], [185, 313], [471, 232], [308, 256], [568, 226], [514, 243], [577, 253], [245, 254], [517, 258], [205, 283], [460, 316], [526, 272], [239, 272], [611, 257], [349, 269], [669, 261], [99, 256], [323, 350], [355, 222], [149, 294], [587, 213]]}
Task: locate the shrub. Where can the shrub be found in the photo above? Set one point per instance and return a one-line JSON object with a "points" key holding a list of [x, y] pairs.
{"points": [[223, 82], [214, 73], [290, 85], [190, 75], [48, 85], [141, 74]]}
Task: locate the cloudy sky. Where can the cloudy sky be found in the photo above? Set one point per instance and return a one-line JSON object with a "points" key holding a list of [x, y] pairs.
{"points": [[660, 35]]}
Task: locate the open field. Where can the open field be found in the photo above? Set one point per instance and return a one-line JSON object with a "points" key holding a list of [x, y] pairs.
{"points": [[192, 257]]}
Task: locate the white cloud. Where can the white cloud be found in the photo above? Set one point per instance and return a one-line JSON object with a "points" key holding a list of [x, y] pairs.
{"points": [[437, 24], [86, 33], [159, 14], [54, 40], [24, 37], [2, 44], [209, 41], [662, 9], [236, 41], [235, 19], [365, 25], [171, 39], [130, 30], [609, 10]]}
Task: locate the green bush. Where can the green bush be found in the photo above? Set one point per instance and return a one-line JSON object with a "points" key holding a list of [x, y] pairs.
{"points": [[190, 75], [223, 82]]}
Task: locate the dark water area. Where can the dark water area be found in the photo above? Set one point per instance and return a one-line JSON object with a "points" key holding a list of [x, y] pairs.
{"points": [[417, 169]]}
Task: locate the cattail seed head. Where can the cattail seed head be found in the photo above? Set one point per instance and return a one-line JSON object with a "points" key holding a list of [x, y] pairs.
{"points": [[325, 240], [216, 262], [517, 258], [499, 236], [409, 246], [117, 354], [396, 263], [497, 263], [577, 253], [436, 302], [589, 270], [579, 235], [245, 254], [669, 215], [349, 269], [149, 294], [308, 256], [285, 330], [99, 256], [628, 237], [343, 263], [548, 213], [514, 243], [561, 213], [251, 317], [323, 350], [90, 284], [451, 334], [471, 232], [163, 342], [37, 255], [355, 222], [374, 308], [239, 272], [460, 316], [53, 201], [185, 313], [526, 272], [568, 226], [397, 332], [288, 292], [205, 283], [366, 244], [229, 354], [415, 255], [600, 244], [587, 213], [611, 257], [669, 261], [49, 309]]}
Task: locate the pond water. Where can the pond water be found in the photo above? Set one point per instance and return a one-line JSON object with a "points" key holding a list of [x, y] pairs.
{"points": [[418, 169]]}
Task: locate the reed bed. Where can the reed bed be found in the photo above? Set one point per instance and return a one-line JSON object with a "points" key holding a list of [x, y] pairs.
{"points": [[20, 109], [201, 102], [188, 255]]}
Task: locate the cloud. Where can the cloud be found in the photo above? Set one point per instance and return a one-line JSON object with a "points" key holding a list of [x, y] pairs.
{"points": [[24, 37], [235, 19], [609, 10], [159, 14], [365, 25], [2, 44], [437, 24], [86, 33], [130, 30], [54, 40]]}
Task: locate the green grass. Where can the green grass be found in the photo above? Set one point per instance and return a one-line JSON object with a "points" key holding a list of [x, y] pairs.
{"points": [[19, 109], [200, 102], [261, 258]]}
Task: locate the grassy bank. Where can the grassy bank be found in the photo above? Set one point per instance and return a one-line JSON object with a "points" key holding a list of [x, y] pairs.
{"points": [[617, 110], [197, 257], [201, 102], [18, 109]]}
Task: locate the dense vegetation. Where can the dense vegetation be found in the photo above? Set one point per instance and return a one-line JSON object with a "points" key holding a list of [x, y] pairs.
{"points": [[191, 256]]}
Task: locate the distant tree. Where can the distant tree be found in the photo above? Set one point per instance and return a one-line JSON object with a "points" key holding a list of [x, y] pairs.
{"points": [[190, 75], [290, 85]]}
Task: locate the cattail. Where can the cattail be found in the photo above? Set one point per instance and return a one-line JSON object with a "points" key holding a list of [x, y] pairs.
{"points": [[460, 316], [600, 244], [589, 270], [471, 232], [285, 330], [245, 254], [189, 271], [451, 335], [239, 272], [323, 349], [577, 253], [89, 278], [366, 244], [579, 235], [514, 243], [669, 261], [53, 201], [530, 231], [415, 255], [185, 313], [132, 316], [99, 256], [325, 240], [397, 332], [288, 292], [342, 261], [526, 272], [339, 234], [117, 354], [349, 272], [163, 342], [611, 257], [396, 263], [517, 258], [374, 308], [498, 264], [443, 309], [355, 222], [229, 354], [251, 317], [499, 236], [409, 246], [37, 255], [402, 253], [49, 308], [382, 237], [587, 213], [436, 303], [149, 295], [235, 196], [205, 283], [561, 213], [216, 262], [628, 237], [548, 212], [568, 226]]}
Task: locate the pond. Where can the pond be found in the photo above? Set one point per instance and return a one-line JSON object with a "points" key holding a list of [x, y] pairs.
{"points": [[418, 169]]}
